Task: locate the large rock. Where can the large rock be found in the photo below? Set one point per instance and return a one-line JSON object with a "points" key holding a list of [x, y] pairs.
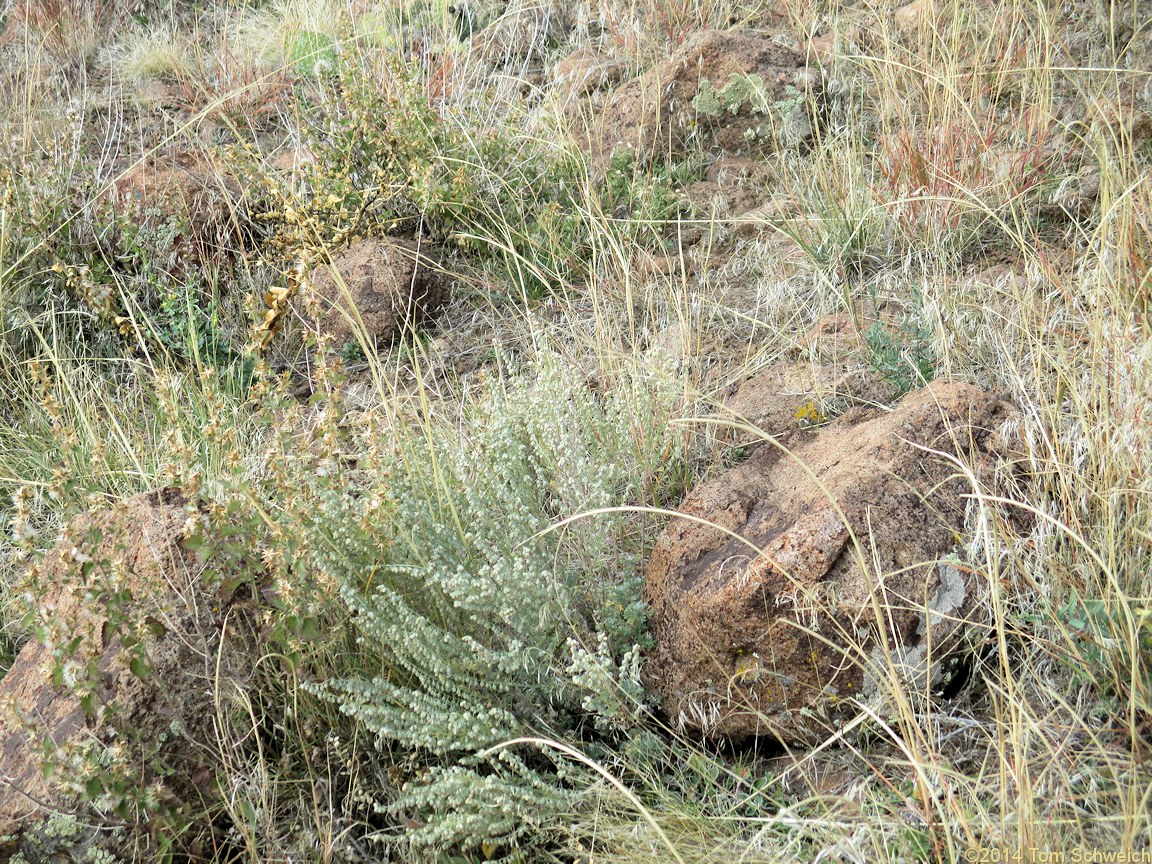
{"points": [[131, 637], [855, 531], [740, 91], [380, 285]]}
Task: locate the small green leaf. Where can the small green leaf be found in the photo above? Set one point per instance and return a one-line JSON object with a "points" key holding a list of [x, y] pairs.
{"points": [[139, 667], [93, 788], [154, 627]]}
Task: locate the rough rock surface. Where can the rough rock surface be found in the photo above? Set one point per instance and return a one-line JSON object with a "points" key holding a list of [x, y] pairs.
{"points": [[126, 606], [583, 72], [742, 91], [789, 401], [384, 285], [859, 522], [912, 15], [188, 193]]}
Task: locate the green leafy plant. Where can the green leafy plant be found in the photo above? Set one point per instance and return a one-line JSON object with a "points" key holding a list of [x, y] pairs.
{"points": [[1105, 655], [902, 354], [312, 54], [477, 622]]}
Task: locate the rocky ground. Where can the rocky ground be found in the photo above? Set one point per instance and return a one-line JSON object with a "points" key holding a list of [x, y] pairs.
{"points": [[693, 430]]}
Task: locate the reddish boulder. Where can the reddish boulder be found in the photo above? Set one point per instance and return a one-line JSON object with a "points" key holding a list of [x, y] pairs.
{"points": [[378, 286], [775, 617], [131, 633]]}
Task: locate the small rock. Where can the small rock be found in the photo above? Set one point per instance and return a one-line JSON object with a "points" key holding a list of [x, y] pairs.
{"points": [[583, 72], [379, 286], [855, 531]]}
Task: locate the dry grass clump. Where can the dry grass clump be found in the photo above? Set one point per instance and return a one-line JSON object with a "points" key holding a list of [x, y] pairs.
{"points": [[69, 32], [158, 53]]}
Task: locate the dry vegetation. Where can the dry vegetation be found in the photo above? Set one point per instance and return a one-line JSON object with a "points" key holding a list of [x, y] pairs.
{"points": [[444, 536]]}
